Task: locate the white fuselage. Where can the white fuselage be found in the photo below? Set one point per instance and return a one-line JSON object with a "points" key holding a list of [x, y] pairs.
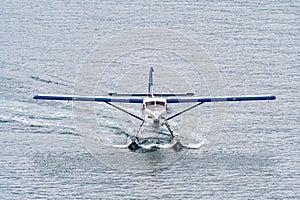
{"points": [[154, 111]]}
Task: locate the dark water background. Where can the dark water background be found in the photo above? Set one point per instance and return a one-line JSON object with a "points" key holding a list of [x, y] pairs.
{"points": [[254, 44]]}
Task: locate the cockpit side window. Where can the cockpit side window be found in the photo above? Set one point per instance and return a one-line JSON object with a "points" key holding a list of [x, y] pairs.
{"points": [[150, 103], [161, 103]]}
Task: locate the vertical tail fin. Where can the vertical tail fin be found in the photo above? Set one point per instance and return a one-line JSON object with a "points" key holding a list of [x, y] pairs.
{"points": [[150, 84]]}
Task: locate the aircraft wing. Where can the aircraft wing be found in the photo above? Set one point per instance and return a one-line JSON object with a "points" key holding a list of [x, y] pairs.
{"points": [[223, 98], [88, 98], [140, 99]]}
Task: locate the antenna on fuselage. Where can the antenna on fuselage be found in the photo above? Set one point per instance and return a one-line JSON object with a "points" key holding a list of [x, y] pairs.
{"points": [[150, 84]]}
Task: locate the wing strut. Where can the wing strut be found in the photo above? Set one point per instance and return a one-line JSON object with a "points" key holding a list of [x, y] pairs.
{"points": [[194, 106], [129, 113]]}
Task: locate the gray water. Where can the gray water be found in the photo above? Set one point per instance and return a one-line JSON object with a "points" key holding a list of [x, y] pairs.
{"points": [[255, 46]]}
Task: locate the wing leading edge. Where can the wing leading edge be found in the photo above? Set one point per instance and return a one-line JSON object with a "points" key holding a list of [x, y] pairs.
{"points": [[140, 99], [224, 98], [87, 98]]}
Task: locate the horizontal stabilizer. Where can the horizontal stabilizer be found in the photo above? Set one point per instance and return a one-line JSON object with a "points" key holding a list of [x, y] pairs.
{"points": [[155, 94]]}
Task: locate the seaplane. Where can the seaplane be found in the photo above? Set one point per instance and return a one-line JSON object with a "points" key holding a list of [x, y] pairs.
{"points": [[154, 106]]}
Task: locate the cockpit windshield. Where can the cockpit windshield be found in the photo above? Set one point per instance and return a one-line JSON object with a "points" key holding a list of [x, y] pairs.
{"points": [[155, 105]]}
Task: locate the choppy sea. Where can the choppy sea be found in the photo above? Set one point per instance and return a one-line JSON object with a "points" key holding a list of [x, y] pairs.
{"points": [[254, 46]]}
